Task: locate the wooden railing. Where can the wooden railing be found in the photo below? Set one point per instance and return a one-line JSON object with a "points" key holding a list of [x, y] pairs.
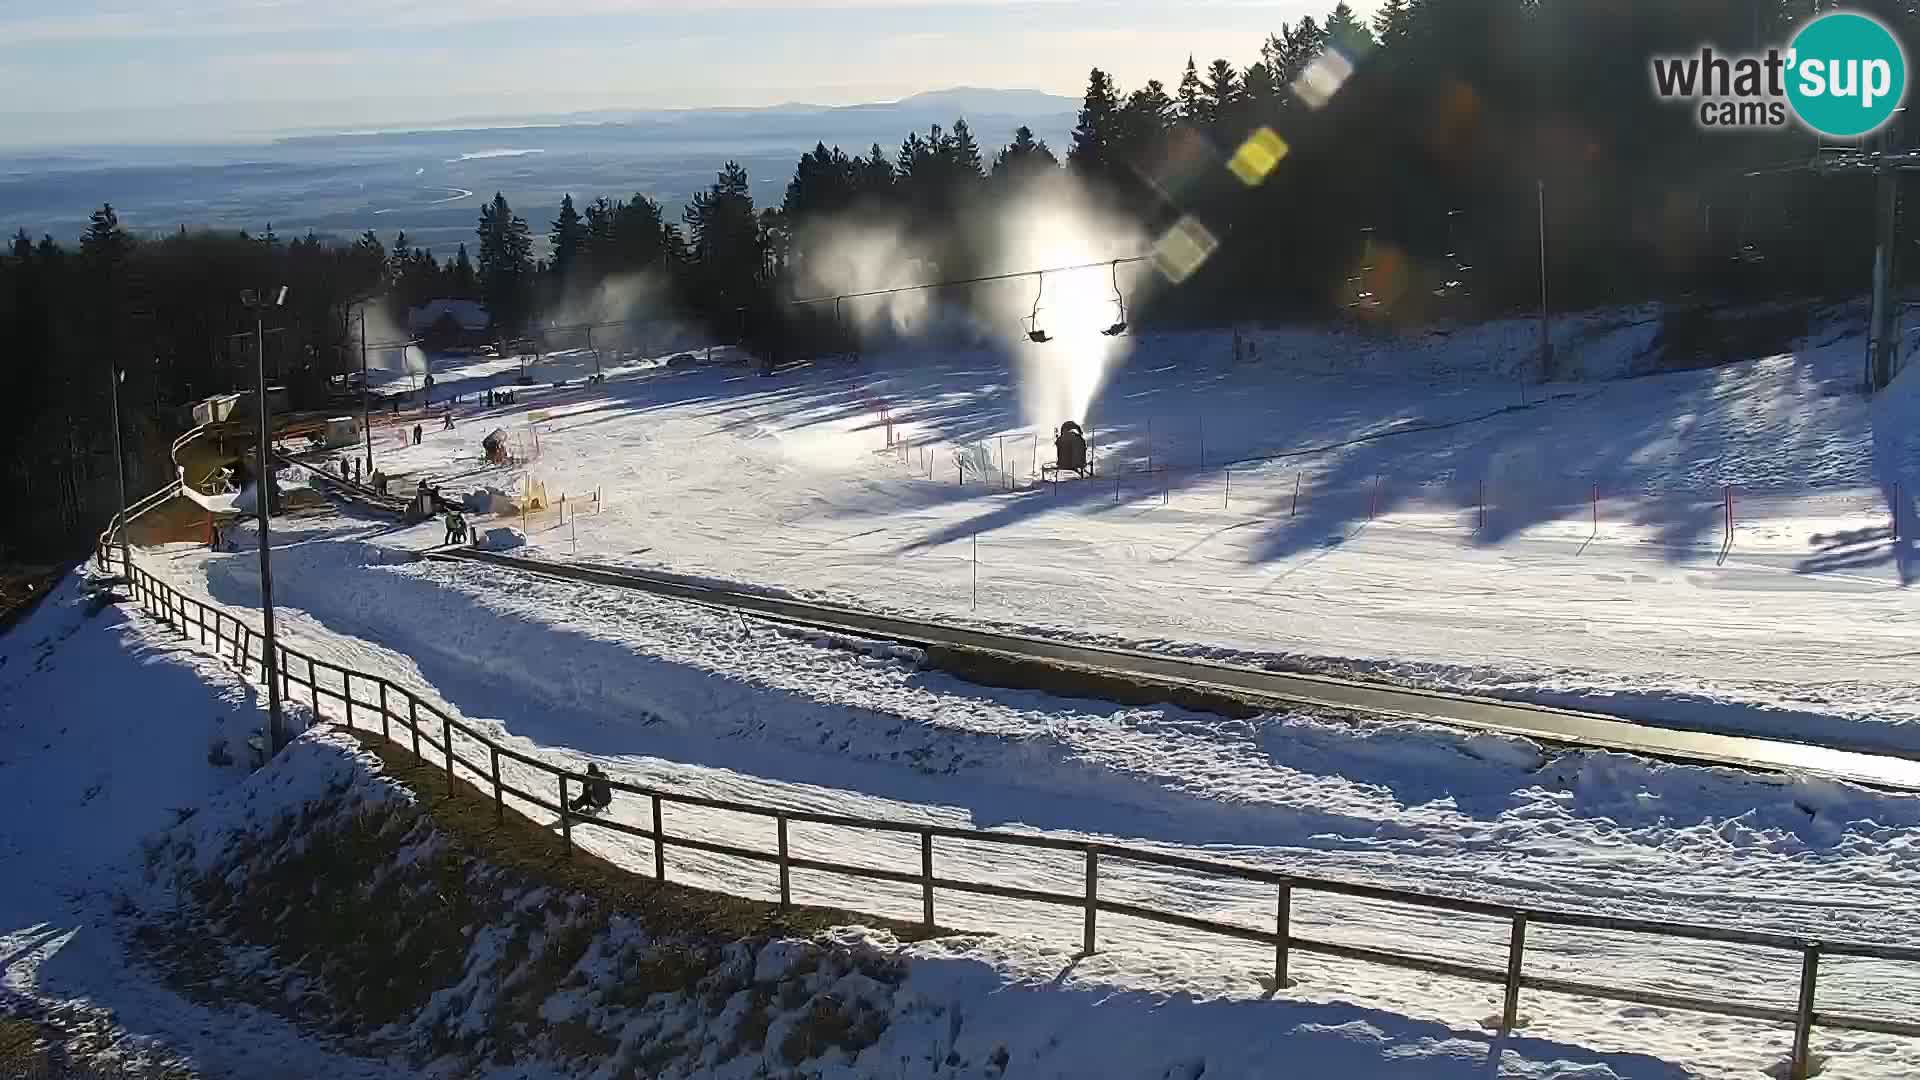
{"points": [[404, 717]]}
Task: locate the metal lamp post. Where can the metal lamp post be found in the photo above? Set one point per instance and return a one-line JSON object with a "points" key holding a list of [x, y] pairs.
{"points": [[120, 470], [366, 425], [263, 498], [1546, 340]]}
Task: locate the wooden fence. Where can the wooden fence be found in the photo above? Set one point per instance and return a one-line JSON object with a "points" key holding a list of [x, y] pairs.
{"points": [[371, 702]]}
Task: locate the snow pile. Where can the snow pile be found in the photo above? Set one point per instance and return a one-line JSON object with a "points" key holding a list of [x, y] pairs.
{"points": [[106, 723]]}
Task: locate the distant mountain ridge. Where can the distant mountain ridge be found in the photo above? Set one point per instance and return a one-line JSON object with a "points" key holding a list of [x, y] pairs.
{"points": [[1035, 108]]}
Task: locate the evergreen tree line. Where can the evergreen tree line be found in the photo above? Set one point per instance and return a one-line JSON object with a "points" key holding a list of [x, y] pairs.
{"points": [[161, 315], [1467, 140], [1417, 188]]}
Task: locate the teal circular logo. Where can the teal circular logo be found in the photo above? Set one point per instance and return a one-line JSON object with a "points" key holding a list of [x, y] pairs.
{"points": [[1847, 74]]}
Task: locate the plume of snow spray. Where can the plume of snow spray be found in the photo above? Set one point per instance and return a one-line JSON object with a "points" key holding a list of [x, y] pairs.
{"points": [[381, 329], [639, 300], [857, 253], [1051, 222]]}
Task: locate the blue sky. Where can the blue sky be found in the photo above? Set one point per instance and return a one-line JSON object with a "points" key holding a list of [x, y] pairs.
{"points": [[86, 70]]}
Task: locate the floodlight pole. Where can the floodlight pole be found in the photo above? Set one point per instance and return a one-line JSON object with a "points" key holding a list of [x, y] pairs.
{"points": [[120, 471], [1880, 335], [366, 423], [263, 499], [1546, 340]]}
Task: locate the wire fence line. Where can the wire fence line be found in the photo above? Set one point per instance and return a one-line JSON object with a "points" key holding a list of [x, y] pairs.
{"points": [[371, 703]]}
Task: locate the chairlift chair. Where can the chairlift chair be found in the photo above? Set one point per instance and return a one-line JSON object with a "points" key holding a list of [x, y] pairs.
{"points": [[1034, 333], [1120, 306]]}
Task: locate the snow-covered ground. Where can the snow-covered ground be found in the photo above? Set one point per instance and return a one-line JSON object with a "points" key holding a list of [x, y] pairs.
{"points": [[1801, 627], [107, 724], [1598, 574], [705, 703]]}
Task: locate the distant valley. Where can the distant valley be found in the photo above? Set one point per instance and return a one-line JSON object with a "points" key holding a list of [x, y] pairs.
{"points": [[430, 183]]}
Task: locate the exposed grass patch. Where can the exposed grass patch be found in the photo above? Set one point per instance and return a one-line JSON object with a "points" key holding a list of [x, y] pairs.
{"points": [[413, 923], [20, 1049]]}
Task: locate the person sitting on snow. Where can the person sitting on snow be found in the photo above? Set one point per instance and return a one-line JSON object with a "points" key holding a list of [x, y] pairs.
{"points": [[595, 795]]}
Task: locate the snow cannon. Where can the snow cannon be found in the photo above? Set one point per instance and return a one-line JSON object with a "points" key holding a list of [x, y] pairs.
{"points": [[1069, 452]]}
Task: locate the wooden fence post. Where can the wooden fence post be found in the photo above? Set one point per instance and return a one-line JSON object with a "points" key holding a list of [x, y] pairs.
{"points": [[346, 691], [499, 795], [413, 722], [926, 878], [446, 743], [1803, 1020], [1295, 509], [383, 710], [786, 893], [659, 843], [1516, 946], [566, 818], [1282, 928], [313, 684], [1093, 899]]}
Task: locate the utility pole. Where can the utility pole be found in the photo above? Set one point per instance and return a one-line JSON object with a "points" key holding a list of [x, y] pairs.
{"points": [[366, 425], [1881, 333], [1882, 323], [120, 471], [1546, 341], [263, 499]]}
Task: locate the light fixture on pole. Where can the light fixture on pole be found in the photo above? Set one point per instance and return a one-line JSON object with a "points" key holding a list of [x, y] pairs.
{"points": [[263, 499], [366, 425], [1546, 341], [120, 471]]}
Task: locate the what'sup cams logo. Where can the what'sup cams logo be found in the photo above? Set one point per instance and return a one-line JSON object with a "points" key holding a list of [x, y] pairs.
{"points": [[1842, 76]]}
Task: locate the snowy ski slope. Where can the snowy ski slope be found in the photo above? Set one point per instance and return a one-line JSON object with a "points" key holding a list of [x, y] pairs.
{"points": [[1803, 629], [1373, 556]]}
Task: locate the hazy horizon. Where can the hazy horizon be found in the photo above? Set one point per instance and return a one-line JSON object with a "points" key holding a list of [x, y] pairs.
{"points": [[430, 182], [107, 72]]}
